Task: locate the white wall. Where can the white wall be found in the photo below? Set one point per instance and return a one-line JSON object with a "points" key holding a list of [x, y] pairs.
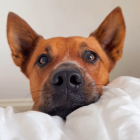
{"points": [[52, 18]]}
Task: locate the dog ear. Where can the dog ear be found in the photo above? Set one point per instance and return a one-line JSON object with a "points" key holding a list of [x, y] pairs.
{"points": [[111, 34], [21, 38]]}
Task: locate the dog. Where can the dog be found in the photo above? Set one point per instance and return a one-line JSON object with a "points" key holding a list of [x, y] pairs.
{"points": [[66, 73]]}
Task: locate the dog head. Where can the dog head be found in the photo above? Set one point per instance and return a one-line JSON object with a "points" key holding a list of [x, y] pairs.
{"points": [[66, 73]]}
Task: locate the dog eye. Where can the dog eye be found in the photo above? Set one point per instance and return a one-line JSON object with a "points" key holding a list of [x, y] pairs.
{"points": [[43, 60], [90, 56]]}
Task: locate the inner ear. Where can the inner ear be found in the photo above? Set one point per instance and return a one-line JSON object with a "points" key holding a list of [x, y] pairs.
{"points": [[111, 33], [22, 40]]}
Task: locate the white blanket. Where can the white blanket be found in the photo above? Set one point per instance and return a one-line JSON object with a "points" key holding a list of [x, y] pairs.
{"points": [[116, 116]]}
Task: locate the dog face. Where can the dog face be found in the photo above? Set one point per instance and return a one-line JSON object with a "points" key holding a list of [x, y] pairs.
{"points": [[66, 73]]}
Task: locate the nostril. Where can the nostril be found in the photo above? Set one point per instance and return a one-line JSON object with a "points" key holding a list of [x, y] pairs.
{"points": [[75, 80], [58, 81]]}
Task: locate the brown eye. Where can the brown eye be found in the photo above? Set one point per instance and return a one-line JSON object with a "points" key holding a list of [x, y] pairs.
{"points": [[43, 60], [90, 56]]}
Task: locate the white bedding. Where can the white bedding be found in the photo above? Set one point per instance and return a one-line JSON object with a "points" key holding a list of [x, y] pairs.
{"points": [[116, 116]]}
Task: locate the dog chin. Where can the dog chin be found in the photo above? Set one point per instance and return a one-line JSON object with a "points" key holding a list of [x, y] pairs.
{"points": [[65, 109]]}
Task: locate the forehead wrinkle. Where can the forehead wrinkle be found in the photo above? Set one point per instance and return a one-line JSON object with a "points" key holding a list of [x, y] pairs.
{"points": [[48, 49], [83, 45]]}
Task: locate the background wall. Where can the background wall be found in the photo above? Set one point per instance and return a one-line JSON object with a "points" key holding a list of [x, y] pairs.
{"points": [[52, 18]]}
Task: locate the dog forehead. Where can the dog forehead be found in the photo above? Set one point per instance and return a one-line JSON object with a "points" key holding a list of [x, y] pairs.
{"points": [[70, 43]]}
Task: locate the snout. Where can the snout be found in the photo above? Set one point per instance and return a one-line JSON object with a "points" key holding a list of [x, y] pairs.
{"points": [[66, 81], [67, 88]]}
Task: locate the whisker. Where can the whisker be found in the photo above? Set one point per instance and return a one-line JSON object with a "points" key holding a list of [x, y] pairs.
{"points": [[27, 96], [32, 102], [29, 105]]}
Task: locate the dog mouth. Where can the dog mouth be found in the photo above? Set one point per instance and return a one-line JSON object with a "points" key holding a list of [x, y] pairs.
{"points": [[64, 109]]}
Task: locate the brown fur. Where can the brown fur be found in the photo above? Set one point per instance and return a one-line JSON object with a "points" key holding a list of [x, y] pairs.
{"points": [[26, 45]]}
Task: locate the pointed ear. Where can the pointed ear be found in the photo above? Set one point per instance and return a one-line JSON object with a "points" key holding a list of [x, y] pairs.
{"points": [[111, 34], [21, 38]]}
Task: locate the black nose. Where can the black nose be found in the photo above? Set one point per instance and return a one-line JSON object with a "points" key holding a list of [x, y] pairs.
{"points": [[67, 80]]}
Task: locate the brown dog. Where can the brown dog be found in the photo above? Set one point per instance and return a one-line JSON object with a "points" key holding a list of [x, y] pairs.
{"points": [[66, 73]]}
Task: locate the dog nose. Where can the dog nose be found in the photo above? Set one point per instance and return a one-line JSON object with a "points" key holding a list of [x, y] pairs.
{"points": [[67, 80]]}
